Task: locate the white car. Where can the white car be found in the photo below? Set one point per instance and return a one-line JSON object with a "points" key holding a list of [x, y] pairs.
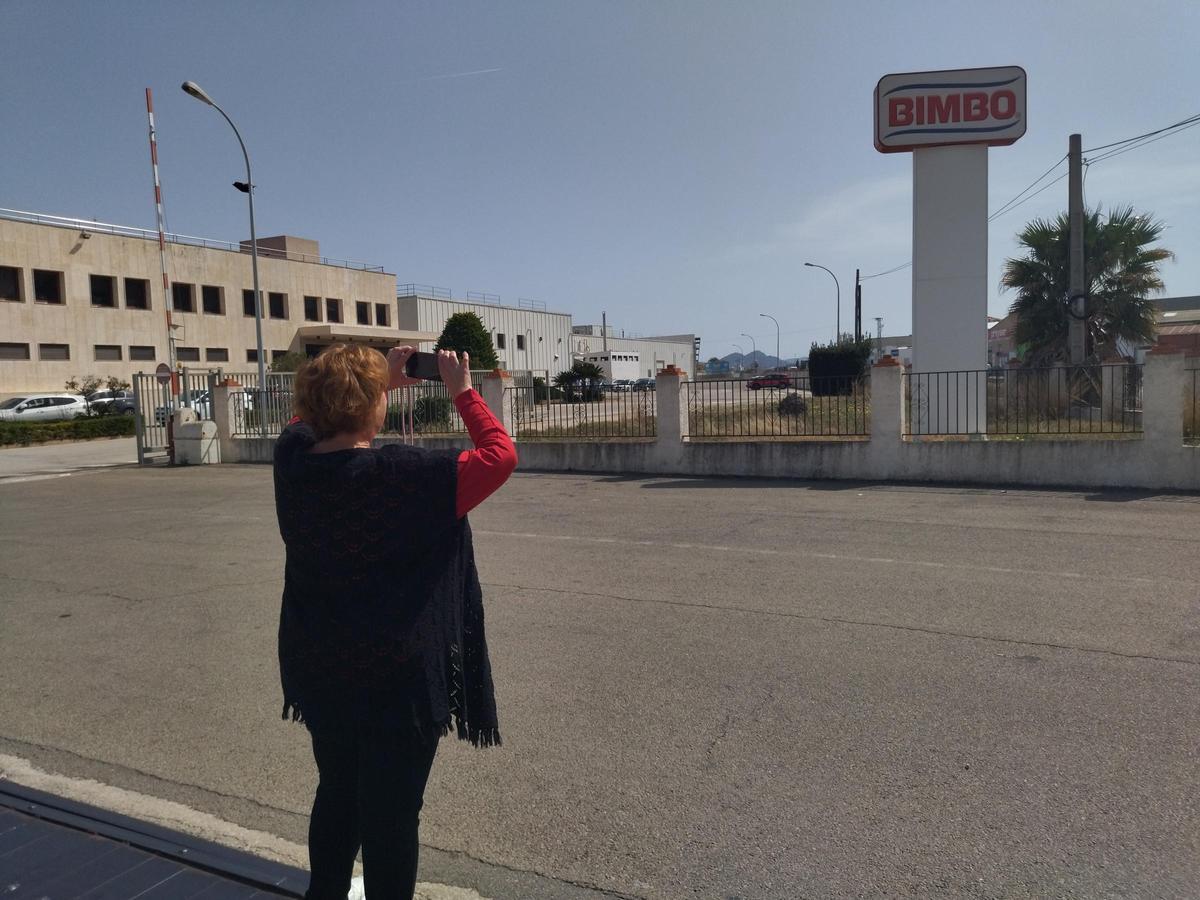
{"points": [[113, 401], [42, 408]]}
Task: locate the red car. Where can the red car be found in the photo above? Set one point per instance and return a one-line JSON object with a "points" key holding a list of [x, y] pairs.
{"points": [[770, 380]]}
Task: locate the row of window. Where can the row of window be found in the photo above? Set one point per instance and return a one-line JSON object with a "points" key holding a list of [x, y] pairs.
{"points": [[113, 353], [615, 357], [48, 288]]}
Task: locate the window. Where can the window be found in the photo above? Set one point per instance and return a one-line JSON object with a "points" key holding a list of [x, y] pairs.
{"points": [[104, 290], [520, 342], [47, 286], [183, 297], [381, 314], [275, 354], [217, 354], [364, 312], [141, 353], [10, 283], [137, 293], [312, 309], [248, 303], [108, 353], [14, 351], [500, 340], [252, 356], [187, 354], [277, 303], [333, 309], [212, 300], [54, 351]]}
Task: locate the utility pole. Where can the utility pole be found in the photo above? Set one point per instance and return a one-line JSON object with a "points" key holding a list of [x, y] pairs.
{"points": [[878, 337], [604, 330], [1077, 292], [857, 308]]}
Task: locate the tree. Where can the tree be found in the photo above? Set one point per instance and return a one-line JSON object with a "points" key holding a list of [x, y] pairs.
{"points": [[465, 331], [580, 382], [1121, 272], [289, 362], [85, 385]]}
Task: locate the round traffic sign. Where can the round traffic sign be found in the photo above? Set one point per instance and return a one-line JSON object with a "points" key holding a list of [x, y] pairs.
{"points": [[163, 373]]}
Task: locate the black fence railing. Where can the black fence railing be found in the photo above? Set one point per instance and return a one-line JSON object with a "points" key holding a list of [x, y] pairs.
{"points": [[1191, 409], [542, 413], [783, 406], [1060, 400]]}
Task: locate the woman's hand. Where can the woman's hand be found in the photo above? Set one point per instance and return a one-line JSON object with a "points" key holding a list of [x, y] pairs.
{"points": [[397, 357], [456, 373]]}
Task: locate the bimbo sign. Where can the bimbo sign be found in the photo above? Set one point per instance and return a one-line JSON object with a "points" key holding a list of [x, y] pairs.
{"points": [[962, 106]]}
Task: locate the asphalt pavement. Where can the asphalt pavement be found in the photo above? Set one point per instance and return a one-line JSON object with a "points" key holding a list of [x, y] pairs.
{"points": [[60, 458], [709, 688]]}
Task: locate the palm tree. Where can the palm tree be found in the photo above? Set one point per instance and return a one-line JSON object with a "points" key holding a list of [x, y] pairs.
{"points": [[585, 374], [1121, 271]]}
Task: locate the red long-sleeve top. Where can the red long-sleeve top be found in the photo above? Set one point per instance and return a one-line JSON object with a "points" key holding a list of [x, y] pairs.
{"points": [[481, 471]]}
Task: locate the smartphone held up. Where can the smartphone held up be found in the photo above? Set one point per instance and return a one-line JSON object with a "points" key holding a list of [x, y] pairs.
{"points": [[423, 365]]}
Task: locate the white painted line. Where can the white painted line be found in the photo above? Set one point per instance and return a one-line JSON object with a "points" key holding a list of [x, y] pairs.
{"points": [[176, 816]]}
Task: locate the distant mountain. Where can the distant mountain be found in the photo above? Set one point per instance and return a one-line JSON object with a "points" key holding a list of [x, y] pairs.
{"points": [[748, 360]]}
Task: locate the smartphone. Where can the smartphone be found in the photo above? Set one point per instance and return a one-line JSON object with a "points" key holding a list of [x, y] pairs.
{"points": [[423, 365]]}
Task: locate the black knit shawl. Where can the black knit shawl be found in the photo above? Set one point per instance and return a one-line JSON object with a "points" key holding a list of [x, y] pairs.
{"points": [[382, 618]]}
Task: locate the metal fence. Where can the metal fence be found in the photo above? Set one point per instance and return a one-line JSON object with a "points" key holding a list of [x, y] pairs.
{"points": [[542, 413], [1059, 400], [1191, 408], [796, 407]]}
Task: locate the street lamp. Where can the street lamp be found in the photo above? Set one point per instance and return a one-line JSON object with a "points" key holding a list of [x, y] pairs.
{"points": [[838, 336], [753, 345], [194, 90], [742, 354], [778, 361]]}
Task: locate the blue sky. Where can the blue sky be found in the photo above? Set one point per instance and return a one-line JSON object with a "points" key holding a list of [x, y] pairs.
{"points": [[673, 163]]}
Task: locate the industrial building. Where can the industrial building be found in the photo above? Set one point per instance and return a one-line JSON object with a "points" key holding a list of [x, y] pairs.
{"points": [[526, 336], [79, 297]]}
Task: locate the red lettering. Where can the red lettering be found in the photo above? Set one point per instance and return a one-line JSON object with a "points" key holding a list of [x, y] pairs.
{"points": [[1004, 105], [975, 107], [945, 109], [920, 110], [900, 111]]}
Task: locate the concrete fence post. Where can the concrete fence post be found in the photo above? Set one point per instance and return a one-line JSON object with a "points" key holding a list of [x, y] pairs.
{"points": [[670, 404], [499, 399], [1164, 393], [225, 415], [887, 416]]}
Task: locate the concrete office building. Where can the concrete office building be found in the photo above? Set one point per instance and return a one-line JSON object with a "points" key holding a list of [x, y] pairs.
{"points": [[86, 298], [526, 336]]}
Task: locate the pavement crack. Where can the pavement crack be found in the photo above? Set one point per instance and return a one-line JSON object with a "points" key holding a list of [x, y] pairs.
{"points": [[862, 623]]}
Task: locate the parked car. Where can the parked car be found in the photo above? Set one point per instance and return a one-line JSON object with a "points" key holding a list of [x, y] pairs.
{"points": [[770, 380], [111, 401], [644, 384], [622, 385], [200, 402], [42, 408]]}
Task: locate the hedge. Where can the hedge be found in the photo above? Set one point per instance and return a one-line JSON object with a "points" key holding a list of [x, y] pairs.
{"points": [[835, 368], [80, 429]]}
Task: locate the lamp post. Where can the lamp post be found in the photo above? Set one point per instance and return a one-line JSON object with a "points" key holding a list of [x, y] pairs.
{"points": [[837, 337], [753, 344], [778, 361], [194, 90], [528, 349], [742, 353]]}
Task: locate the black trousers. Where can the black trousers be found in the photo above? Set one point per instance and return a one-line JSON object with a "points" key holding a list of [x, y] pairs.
{"points": [[370, 795]]}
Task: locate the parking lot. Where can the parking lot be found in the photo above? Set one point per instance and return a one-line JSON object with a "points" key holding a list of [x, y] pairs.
{"points": [[709, 688]]}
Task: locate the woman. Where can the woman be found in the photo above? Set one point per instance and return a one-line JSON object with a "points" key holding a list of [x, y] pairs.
{"points": [[381, 644]]}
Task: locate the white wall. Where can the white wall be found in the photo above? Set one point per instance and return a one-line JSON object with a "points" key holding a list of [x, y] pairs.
{"points": [[545, 334]]}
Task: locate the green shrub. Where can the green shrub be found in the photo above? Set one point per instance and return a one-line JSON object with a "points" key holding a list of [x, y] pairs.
{"points": [[835, 368], [81, 429], [542, 392]]}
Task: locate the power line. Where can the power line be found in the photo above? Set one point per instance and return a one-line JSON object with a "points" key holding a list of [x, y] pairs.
{"points": [[1190, 120], [1142, 143], [886, 271], [1012, 204]]}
